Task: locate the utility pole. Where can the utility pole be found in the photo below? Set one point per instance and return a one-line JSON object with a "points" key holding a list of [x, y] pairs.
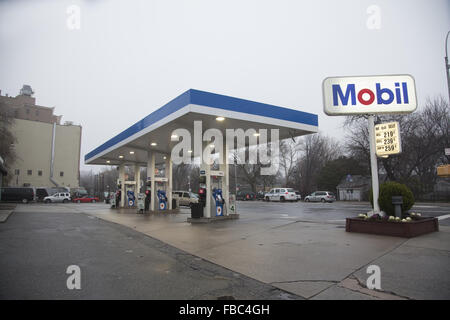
{"points": [[373, 164], [447, 66]]}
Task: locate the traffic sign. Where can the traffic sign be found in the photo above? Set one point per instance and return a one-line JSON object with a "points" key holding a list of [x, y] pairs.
{"points": [[387, 139]]}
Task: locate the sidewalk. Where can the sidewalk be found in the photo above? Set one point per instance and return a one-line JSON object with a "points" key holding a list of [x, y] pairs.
{"points": [[313, 260], [6, 210]]}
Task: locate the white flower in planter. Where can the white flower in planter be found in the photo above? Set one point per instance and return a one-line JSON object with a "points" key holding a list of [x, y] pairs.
{"points": [[397, 219], [391, 218], [408, 219]]}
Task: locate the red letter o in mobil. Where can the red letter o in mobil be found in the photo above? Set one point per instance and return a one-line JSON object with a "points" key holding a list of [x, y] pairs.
{"points": [[366, 102]]}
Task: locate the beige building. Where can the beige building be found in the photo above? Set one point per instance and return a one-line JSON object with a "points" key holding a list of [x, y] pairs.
{"points": [[48, 153]]}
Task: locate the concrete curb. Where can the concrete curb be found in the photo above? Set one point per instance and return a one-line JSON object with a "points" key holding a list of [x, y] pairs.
{"points": [[4, 215]]}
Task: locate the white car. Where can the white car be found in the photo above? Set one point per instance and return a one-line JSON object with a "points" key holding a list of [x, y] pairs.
{"points": [[322, 196], [58, 197], [281, 194], [185, 198]]}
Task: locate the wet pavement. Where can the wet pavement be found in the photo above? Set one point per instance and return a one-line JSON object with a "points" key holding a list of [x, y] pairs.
{"points": [[301, 248]]}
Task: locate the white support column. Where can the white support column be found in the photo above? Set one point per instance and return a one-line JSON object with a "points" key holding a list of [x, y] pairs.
{"points": [[137, 179], [207, 168], [122, 185], [226, 178], [168, 173], [373, 164], [152, 177]]}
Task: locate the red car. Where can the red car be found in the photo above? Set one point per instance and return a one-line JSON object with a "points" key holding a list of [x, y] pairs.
{"points": [[86, 199]]}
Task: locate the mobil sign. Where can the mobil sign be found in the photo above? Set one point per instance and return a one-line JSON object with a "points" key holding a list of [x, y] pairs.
{"points": [[369, 95]]}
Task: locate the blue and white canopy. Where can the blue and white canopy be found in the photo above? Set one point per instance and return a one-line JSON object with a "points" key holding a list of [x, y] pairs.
{"points": [[132, 144]]}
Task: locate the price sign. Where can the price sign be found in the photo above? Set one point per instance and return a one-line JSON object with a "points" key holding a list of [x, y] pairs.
{"points": [[387, 139]]}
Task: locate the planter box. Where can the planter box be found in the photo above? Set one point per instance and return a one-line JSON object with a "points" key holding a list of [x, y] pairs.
{"points": [[388, 228]]}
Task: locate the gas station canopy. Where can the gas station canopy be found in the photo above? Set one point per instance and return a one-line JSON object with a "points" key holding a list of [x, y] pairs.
{"points": [[153, 133]]}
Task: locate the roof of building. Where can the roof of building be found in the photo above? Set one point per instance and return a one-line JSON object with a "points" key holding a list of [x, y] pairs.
{"points": [[193, 105], [354, 181]]}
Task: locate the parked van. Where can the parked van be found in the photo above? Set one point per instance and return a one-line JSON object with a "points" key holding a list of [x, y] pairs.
{"points": [[17, 194]]}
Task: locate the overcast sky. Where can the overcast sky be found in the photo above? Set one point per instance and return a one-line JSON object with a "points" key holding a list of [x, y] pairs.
{"points": [[130, 57]]}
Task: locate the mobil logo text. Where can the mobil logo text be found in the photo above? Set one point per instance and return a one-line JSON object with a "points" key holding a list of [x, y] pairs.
{"points": [[365, 96], [369, 95]]}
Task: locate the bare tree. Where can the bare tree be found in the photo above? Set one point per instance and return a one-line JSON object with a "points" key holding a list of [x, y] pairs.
{"points": [[424, 135], [289, 153], [316, 150], [7, 138]]}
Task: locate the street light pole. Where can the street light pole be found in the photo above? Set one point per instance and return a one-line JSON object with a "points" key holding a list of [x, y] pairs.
{"points": [[447, 66]]}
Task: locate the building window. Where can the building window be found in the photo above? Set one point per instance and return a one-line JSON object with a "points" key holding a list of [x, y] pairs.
{"points": [[28, 111], [37, 112], [17, 172], [40, 173], [29, 172], [61, 174]]}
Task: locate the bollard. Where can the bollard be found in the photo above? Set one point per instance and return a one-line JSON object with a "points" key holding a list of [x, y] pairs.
{"points": [[397, 201]]}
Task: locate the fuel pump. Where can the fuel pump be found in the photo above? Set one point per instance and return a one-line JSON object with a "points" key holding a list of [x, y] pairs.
{"points": [[161, 187], [162, 199], [202, 190], [118, 197], [148, 196], [140, 202], [217, 206], [219, 201], [131, 198]]}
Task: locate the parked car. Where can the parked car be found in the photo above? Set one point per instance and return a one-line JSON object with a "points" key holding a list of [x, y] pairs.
{"points": [[299, 196], [260, 195], [185, 198], [19, 194], [86, 199], [322, 196], [281, 194], [245, 195], [41, 193], [58, 197]]}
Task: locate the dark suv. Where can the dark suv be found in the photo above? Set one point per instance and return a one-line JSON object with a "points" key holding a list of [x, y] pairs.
{"points": [[245, 195]]}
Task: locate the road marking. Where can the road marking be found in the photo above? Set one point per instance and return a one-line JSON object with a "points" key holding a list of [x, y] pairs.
{"points": [[446, 216]]}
